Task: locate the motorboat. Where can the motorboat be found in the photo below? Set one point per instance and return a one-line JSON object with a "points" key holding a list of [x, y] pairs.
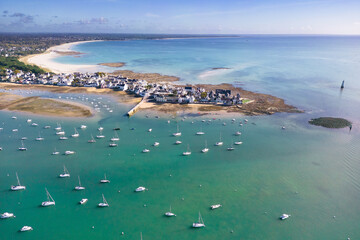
{"points": [[24, 138], [29, 120], [60, 133], [47, 127], [69, 152], [140, 189], [6, 215], [63, 138], [100, 128], [112, 145], [83, 127], [150, 130], [170, 214], [13, 117], [34, 124], [15, 130], [80, 187], [26, 228], [49, 202], [215, 206], [105, 180], [284, 216], [156, 144], [104, 203], [65, 174], [199, 223], [145, 150], [83, 201], [237, 133], [178, 142], [238, 143], [18, 186], [200, 133]]}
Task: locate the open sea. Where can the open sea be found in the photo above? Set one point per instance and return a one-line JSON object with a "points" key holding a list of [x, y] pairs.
{"points": [[309, 172]]}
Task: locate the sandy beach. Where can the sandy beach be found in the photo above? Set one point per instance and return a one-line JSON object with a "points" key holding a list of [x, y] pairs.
{"points": [[46, 60]]}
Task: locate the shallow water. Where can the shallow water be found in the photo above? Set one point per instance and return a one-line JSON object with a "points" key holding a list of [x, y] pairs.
{"points": [[309, 172]]}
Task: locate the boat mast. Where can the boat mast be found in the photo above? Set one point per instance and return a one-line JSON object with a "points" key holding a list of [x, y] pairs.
{"points": [[17, 177]]}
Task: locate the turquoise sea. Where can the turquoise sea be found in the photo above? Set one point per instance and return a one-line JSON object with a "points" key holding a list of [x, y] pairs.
{"points": [[309, 172]]}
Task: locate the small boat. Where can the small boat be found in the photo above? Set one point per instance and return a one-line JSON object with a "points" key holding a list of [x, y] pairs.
{"points": [[177, 133], [200, 133], [215, 206], [112, 144], [115, 138], [13, 117], [199, 223], [156, 144], [76, 134], [1, 149], [63, 138], [237, 133], [29, 120], [69, 152], [104, 203], [150, 130], [60, 133], [79, 188], [238, 143], [47, 127], [100, 129], [92, 140], [220, 143], [105, 180], [49, 202], [145, 150], [15, 130], [178, 142], [284, 216], [224, 124], [170, 214], [206, 149], [24, 138], [83, 201], [188, 152], [26, 228], [7, 215], [116, 129], [140, 189], [283, 127], [65, 174], [83, 127], [18, 186], [34, 124]]}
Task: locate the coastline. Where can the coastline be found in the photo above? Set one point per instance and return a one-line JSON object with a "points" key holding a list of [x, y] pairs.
{"points": [[46, 60]]}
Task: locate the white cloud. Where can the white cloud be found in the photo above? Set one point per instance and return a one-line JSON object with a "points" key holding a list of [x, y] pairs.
{"points": [[152, 15]]}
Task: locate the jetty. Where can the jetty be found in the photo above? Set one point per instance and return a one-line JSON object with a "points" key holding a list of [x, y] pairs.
{"points": [[137, 106]]}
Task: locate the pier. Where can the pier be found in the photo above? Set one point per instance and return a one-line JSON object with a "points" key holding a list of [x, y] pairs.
{"points": [[137, 106]]}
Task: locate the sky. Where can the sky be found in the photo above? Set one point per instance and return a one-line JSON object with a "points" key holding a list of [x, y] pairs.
{"points": [[182, 16]]}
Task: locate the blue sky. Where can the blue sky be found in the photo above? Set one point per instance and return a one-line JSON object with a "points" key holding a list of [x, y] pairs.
{"points": [[185, 16]]}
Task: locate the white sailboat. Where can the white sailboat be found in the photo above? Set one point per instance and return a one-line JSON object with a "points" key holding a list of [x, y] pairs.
{"points": [[220, 143], [100, 135], [49, 202], [200, 132], [58, 128], [206, 149], [231, 148], [104, 203], [92, 140], [22, 148], [199, 223], [178, 142], [238, 133], [18, 186], [65, 174], [188, 152], [79, 188], [105, 180], [112, 144], [68, 152], [284, 216], [76, 134], [170, 214], [145, 150], [115, 138], [39, 138], [55, 152], [63, 138], [177, 133], [60, 133]]}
